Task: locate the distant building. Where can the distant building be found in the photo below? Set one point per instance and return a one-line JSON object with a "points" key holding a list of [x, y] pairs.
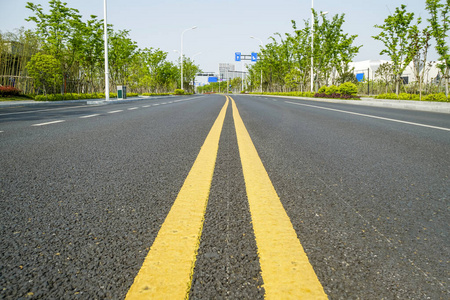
{"points": [[368, 69], [227, 71]]}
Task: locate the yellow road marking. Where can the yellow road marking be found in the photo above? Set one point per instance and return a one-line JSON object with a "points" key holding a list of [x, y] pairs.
{"points": [[285, 268], [167, 270]]}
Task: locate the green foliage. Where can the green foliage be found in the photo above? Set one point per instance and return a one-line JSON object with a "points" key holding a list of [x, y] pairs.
{"points": [[292, 94], [323, 89], [348, 88], [179, 92], [406, 96], [155, 94], [436, 97], [332, 89], [391, 96], [440, 25], [287, 58], [45, 71], [397, 34], [59, 30], [74, 96]]}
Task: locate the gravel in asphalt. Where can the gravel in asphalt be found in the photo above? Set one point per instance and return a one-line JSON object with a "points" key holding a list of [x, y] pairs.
{"points": [[227, 264]]}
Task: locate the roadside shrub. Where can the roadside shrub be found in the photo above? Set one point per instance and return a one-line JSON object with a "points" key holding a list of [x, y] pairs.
{"points": [[436, 97], [155, 94], [7, 91], [322, 89], [348, 88], [337, 96], [387, 96], [332, 89], [406, 96], [179, 92]]}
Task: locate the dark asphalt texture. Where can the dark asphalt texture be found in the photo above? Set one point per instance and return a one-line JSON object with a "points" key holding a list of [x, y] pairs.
{"points": [[82, 201], [227, 265], [369, 199]]}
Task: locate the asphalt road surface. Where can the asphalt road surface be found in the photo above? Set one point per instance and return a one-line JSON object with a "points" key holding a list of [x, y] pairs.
{"points": [[86, 193]]}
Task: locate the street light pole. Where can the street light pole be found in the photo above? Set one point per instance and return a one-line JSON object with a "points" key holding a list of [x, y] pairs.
{"points": [[262, 45], [106, 53], [181, 53]]}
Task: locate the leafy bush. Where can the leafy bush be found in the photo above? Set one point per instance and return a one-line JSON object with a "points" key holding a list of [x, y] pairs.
{"points": [[406, 96], [155, 94], [348, 88], [436, 97], [336, 96], [294, 94], [7, 91], [179, 92], [323, 89], [332, 89], [45, 70], [387, 96]]}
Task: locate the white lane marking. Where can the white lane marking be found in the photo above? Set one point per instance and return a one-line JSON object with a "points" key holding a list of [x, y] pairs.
{"points": [[371, 116], [155, 104], [169, 102], [89, 116], [39, 110], [114, 111], [146, 106], [48, 123], [133, 108], [1, 131], [164, 103]]}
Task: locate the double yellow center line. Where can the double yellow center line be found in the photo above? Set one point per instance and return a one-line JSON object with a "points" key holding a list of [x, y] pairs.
{"points": [[168, 268]]}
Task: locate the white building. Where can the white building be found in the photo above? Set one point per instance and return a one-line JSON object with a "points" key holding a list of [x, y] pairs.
{"points": [[368, 69]]}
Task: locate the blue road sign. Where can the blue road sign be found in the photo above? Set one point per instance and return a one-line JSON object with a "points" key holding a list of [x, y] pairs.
{"points": [[237, 56], [360, 77], [212, 79], [254, 56]]}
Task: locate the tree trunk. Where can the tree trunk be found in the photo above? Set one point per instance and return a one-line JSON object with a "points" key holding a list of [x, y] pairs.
{"points": [[446, 81], [397, 85]]}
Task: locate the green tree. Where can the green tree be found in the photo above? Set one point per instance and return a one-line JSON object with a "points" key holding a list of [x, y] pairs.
{"points": [[397, 35], [440, 24], [301, 49], [121, 53], [46, 72], [59, 31], [385, 71], [421, 41], [90, 54], [190, 70]]}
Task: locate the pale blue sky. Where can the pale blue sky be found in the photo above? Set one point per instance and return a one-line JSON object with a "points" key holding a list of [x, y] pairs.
{"points": [[224, 26]]}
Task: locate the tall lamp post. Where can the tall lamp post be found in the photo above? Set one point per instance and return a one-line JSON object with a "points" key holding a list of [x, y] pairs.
{"points": [[106, 53], [262, 45], [312, 43], [181, 53]]}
